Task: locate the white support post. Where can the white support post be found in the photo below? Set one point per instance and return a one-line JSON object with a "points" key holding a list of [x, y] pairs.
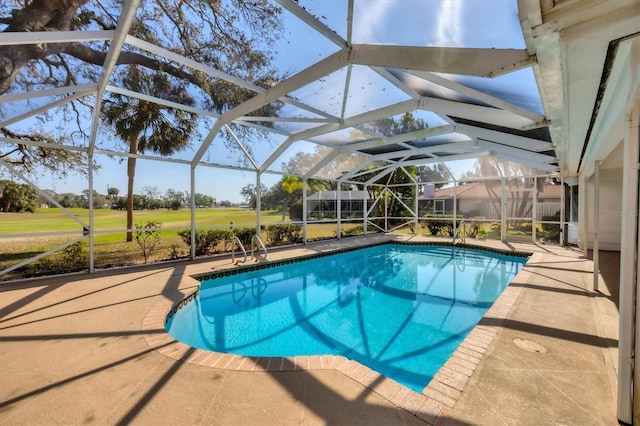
{"points": [[562, 212], [365, 215], [455, 206], [628, 305], [583, 217], [339, 210], [386, 209], [193, 212], [415, 212], [90, 181], [534, 210], [304, 211], [636, 378], [596, 225], [258, 205], [503, 211]]}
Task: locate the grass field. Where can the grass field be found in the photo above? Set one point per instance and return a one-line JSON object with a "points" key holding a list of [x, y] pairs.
{"points": [[56, 220], [110, 247]]}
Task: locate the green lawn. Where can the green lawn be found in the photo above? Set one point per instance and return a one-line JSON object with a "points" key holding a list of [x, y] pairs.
{"points": [[110, 247], [56, 220]]}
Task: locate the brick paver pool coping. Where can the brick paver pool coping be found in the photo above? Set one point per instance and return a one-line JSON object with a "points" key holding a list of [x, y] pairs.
{"points": [[432, 405]]}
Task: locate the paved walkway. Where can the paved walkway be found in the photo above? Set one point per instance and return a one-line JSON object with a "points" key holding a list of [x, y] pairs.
{"points": [[88, 349]]}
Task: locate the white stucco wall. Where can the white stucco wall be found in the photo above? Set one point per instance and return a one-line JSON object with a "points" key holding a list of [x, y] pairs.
{"points": [[610, 212]]}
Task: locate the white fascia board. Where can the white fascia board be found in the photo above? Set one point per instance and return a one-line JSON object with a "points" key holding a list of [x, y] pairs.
{"points": [[159, 101], [405, 137], [612, 121], [43, 108], [551, 82], [479, 113], [591, 15], [312, 21], [79, 88], [451, 60], [38, 37], [477, 94], [504, 138]]}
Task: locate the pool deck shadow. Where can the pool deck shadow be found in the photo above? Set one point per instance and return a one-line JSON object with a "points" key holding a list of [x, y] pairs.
{"points": [[92, 349]]}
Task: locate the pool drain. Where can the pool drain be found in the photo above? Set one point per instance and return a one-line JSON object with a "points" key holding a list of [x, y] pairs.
{"points": [[530, 346]]}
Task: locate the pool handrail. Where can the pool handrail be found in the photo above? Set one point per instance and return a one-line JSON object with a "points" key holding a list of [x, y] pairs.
{"points": [[457, 231], [257, 244], [237, 243]]}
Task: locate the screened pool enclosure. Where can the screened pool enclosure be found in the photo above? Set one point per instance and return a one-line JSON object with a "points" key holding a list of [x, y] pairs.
{"points": [[188, 126], [384, 113]]}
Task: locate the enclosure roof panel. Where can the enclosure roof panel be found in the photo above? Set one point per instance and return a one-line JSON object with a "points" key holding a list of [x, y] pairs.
{"points": [[360, 77]]}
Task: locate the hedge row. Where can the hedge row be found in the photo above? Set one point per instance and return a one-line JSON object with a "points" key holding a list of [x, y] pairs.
{"points": [[212, 241]]}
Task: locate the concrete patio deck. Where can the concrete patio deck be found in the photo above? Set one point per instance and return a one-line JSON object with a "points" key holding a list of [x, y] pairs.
{"points": [[90, 349]]}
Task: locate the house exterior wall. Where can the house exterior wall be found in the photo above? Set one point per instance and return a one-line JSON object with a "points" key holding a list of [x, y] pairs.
{"points": [[482, 207], [610, 214]]}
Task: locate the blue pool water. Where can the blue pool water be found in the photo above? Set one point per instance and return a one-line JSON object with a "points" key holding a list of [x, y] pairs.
{"points": [[402, 310]]}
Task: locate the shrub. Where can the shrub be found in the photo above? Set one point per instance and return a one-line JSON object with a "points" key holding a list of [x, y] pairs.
{"points": [[148, 237], [523, 226], [278, 235], [74, 256], [551, 231], [351, 232], [207, 240], [439, 224], [244, 235], [472, 231], [295, 212]]}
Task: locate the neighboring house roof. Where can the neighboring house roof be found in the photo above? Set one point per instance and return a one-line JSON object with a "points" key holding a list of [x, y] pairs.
{"points": [[479, 190], [344, 195]]}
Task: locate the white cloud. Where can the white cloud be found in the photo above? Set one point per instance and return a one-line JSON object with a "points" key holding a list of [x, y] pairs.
{"points": [[370, 20], [449, 27]]}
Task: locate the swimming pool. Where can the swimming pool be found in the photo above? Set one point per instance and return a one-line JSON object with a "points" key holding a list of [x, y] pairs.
{"points": [[400, 309]]}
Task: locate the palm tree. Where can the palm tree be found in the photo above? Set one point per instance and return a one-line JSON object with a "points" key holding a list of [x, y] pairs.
{"points": [[148, 126], [290, 185]]}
